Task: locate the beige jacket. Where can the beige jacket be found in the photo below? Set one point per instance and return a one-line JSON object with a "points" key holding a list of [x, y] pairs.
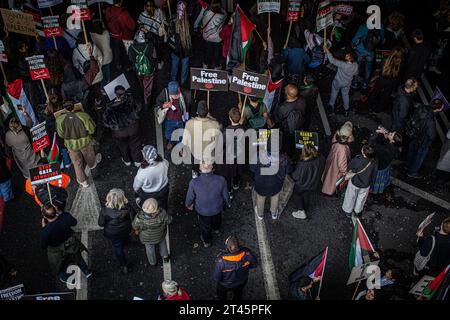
{"points": [[200, 136]]}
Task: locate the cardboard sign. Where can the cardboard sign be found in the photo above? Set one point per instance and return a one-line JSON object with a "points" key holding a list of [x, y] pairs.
{"points": [[51, 26], [263, 137], [45, 173], [209, 80], [84, 13], [268, 6], [119, 81], [304, 137], [19, 22], [249, 83], [439, 95], [12, 293], [50, 296], [48, 3], [293, 12], [360, 273], [324, 16], [343, 9], [38, 70], [421, 285], [39, 137], [426, 222], [3, 56]]}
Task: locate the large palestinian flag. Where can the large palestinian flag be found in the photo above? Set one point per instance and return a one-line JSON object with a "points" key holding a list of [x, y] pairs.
{"points": [[438, 288], [241, 36], [272, 87], [361, 246], [18, 97]]}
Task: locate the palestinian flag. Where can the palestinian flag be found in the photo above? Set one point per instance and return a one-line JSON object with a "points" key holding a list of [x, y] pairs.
{"points": [[272, 87], [438, 288], [241, 36], [18, 97], [53, 155], [361, 246]]}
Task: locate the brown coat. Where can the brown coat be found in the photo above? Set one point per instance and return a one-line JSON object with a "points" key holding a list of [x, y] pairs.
{"points": [[335, 167]]}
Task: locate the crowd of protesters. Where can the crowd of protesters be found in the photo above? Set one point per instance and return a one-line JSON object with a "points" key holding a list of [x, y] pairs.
{"points": [[161, 40]]}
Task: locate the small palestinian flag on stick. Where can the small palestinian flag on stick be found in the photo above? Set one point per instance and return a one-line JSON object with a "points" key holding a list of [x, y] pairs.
{"points": [[53, 155], [361, 246], [438, 288]]}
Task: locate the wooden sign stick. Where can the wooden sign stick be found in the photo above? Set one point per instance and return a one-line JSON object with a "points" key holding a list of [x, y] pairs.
{"points": [[207, 99], [288, 35], [4, 74], [45, 89], [243, 108]]}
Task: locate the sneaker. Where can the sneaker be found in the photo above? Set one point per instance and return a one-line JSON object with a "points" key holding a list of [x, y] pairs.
{"points": [[275, 215], [84, 184], [300, 214], [89, 275], [194, 174], [435, 70], [260, 217], [138, 202], [98, 159], [166, 259], [137, 164], [348, 215], [126, 163]]}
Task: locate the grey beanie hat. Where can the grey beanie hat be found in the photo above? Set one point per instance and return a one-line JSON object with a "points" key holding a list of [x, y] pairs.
{"points": [[149, 153]]}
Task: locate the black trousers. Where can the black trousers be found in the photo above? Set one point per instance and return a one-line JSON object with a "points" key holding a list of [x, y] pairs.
{"points": [[302, 199], [130, 148], [207, 224], [121, 61], [161, 196], [236, 293], [213, 54]]}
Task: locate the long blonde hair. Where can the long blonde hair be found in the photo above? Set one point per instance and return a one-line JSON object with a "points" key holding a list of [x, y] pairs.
{"points": [[116, 199], [182, 28], [393, 63]]}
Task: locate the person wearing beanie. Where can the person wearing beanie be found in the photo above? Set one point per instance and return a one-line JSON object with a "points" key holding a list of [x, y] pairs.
{"points": [[173, 105], [172, 291], [141, 54], [338, 158], [151, 226], [208, 194], [151, 180], [199, 135]]}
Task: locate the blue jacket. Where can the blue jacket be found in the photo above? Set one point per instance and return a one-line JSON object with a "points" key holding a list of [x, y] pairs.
{"points": [[360, 36], [209, 194], [270, 185], [296, 58], [232, 269]]}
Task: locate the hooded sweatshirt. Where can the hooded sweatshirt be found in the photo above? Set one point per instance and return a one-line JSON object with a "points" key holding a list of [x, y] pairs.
{"points": [[345, 72]]}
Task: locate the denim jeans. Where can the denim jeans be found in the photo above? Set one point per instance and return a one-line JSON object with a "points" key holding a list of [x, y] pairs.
{"points": [[118, 251], [63, 275], [106, 70], [416, 156], [367, 58], [169, 127], [65, 157], [175, 67], [150, 249]]}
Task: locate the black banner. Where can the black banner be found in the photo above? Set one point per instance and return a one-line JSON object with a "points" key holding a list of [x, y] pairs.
{"points": [[304, 137], [45, 173], [209, 80], [249, 83]]}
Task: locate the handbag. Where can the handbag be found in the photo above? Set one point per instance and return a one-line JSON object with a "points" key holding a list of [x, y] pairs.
{"points": [[420, 261], [162, 112]]}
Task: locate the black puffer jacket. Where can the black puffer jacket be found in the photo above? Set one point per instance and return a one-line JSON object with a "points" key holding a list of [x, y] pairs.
{"points": [[402, 105], [116, 223], [120, 115], [307, 174]]}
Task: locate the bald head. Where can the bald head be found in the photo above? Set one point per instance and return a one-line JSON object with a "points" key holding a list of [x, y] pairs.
{"points": [[291, 91]]}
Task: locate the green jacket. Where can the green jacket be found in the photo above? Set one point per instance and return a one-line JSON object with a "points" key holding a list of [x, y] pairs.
{"points": [[76, 129], [152, 230]]}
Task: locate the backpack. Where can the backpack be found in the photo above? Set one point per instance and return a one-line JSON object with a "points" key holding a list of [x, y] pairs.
{"points": [[415, 125], [373, 39], [317, 57], [142, 65], [256, 121], [293, 121]]}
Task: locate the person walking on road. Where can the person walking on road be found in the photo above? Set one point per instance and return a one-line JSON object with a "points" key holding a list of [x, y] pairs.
{"points": [[232, 269]]}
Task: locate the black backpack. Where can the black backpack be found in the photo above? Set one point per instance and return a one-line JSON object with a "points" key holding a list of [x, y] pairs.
{"points": [[293, 121], [373, 39]]}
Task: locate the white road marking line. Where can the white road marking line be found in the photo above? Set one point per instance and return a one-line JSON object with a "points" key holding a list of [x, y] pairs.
{"points": [[323, 115], [425, 195], [268, 268], [82, 294], [167, 267]]}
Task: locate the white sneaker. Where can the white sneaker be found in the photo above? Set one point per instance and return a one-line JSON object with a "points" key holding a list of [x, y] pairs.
{"points": [[84, 184], [274, 215], [137, 164], [126, 163], [98, 159], [300, 214], [256, 212], [435, 70]]}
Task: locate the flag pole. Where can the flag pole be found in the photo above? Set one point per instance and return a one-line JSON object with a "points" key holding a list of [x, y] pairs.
{"points": [[45, 89], [268, 35], [170, 10], [54, 42], [4, 74], [243, 107], [323, 272], [289, 34], [356, 290], [207, 99], [49, 193]]}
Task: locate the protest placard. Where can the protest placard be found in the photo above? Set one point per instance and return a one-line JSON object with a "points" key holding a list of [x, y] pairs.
{"points": [[381, 55], [39, 137], [51, 26], [249, 83], [48, 3], [12, 293], [343, 9], [50, 296], [324, 15], [45, 173], [119, 81], [38, 70], [265, 6], [210, 80], [417, 289], [293, 11], [84, 12], [18, 22], [305, 137]]}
